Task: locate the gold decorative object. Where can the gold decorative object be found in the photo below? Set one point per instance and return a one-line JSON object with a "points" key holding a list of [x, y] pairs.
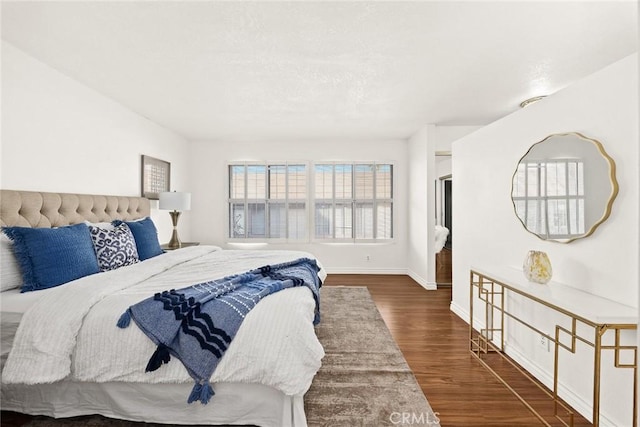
{"points": [[537, 267]]}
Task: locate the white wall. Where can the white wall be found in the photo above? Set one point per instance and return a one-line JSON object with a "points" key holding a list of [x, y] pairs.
{"points": [[421, 207], [209, 164], [445, 136], [424, 190], [61, 136], [603, 106]]}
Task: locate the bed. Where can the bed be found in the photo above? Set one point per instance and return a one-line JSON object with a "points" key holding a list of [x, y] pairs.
{"points": [[62, 354]]}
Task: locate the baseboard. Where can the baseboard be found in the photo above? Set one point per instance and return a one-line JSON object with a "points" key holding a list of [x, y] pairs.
{"points": [[459, 311], [574, 400], [430, 286]]}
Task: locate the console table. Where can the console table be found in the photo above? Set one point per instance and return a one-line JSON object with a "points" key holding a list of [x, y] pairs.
{"points": [[582, 311]]}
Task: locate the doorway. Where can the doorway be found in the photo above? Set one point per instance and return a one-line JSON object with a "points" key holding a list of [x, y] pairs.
{"points": [[444, 267]]}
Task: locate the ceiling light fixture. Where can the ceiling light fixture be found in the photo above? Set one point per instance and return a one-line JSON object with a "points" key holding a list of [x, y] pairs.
{"points": [[531, 100]]}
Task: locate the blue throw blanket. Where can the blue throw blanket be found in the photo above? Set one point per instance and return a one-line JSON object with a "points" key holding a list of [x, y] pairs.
{"points": [[196, 324]]}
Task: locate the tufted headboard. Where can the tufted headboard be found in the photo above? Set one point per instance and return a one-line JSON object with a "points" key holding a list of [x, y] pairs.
{"points": [[37, 209]]}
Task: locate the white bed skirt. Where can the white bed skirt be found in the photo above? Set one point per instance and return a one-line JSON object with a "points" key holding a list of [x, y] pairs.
{"points": [[233, 403]]}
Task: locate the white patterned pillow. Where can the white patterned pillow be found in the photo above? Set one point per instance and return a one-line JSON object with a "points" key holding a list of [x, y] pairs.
{"points": [[105, 225], [115, 247]]}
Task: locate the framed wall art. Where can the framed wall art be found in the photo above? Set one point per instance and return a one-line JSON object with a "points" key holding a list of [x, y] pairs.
{"points": [[156, 177]]}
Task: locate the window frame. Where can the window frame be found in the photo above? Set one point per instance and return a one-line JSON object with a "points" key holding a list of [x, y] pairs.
{"points": [[542, 200], [354, 201], [267, 200]]}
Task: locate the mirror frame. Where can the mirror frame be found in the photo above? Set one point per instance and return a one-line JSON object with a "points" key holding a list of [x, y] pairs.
{"points": [[612, 180]]}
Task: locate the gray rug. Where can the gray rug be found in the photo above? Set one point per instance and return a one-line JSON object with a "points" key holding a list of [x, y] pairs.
{"points": [[364, 379]]}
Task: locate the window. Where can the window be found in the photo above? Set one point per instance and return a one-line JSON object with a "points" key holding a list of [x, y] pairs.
{"points": [[353, 201], [268, 201], [549, 196]]}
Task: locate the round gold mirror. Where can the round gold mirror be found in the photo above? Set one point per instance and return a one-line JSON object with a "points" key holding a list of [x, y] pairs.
{"points": [[564, 187]]}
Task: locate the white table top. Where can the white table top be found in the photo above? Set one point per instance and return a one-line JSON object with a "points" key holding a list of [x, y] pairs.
{"points": [[591, 307]]}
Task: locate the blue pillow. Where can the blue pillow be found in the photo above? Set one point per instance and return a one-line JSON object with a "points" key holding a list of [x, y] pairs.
{"points": [[146, 237], [50, 257]]}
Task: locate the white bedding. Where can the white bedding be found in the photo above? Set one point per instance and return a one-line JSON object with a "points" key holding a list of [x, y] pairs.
{"points": [[69, 333], [234, 403], [13, 305]]}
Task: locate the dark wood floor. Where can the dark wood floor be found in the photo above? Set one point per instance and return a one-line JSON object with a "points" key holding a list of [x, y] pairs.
{"points": [[434, 342]]}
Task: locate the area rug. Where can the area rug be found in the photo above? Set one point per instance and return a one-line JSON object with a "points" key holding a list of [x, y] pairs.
{"points": [[364, 379]]}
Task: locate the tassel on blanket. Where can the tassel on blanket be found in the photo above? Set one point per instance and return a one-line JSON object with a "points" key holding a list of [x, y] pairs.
{"points": [[124, 320], [202, 392], [160, 356]]}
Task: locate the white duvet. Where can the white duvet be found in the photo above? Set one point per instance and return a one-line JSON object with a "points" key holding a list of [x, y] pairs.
{"points": [[71, 333]]}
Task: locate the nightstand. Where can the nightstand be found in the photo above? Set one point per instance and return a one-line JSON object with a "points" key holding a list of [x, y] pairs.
{"points": [[184, 245]]}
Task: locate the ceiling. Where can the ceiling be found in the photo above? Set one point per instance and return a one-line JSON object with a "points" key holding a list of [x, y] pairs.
{"points": [[310, 71]]}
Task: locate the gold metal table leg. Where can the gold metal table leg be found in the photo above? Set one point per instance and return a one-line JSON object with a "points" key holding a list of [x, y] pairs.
{"points": [[596, 376]]}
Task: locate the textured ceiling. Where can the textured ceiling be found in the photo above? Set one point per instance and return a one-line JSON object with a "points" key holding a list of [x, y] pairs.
{"points": [[322, 70]]}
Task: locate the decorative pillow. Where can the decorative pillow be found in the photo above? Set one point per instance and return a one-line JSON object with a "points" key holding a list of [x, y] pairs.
{"points": [[105, 225], [115, 246], [146, 236], [10, 274], [49, 257]]}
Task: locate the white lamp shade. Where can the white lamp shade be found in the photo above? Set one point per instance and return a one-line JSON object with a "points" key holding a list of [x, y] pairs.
{"points": [[175, 201]]}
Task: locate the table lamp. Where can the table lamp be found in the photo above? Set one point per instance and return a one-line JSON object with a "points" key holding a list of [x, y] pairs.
{"points": [[176, 202]]}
